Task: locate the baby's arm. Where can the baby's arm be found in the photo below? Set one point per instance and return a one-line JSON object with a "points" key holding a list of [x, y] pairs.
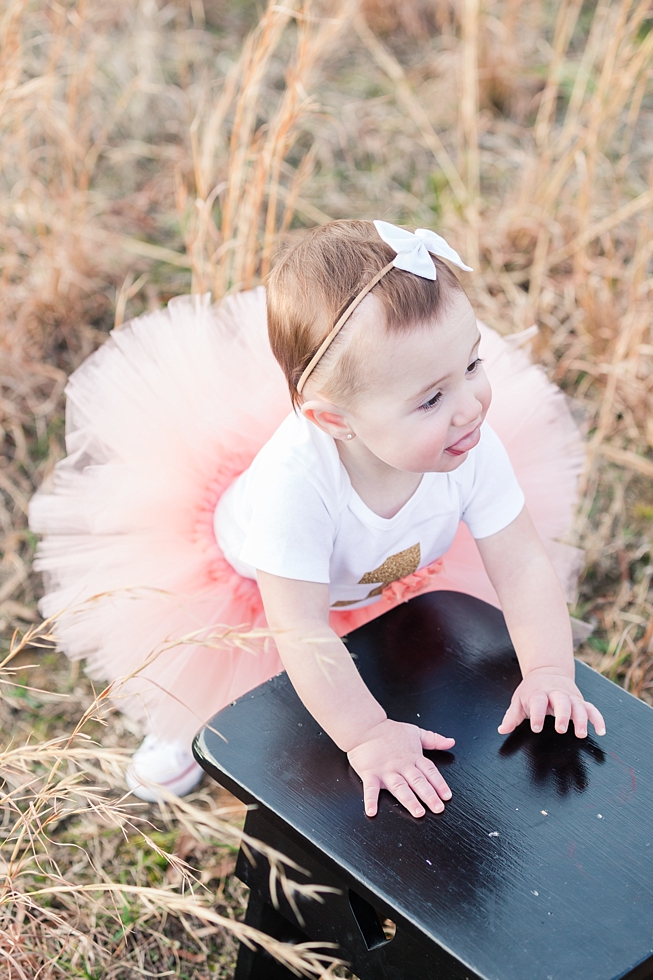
{"points": [[538, 620], [386, 754]]}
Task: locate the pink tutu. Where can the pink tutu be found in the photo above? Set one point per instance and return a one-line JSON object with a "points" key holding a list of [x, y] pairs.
{"points": [[160, 420]]}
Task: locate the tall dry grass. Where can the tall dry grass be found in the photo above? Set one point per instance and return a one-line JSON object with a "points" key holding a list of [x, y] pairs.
{"points": [[147, 149], [91, 886], [130, 169]]}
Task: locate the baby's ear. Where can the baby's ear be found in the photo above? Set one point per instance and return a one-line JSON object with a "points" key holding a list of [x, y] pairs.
{"points": [[327, 417]]}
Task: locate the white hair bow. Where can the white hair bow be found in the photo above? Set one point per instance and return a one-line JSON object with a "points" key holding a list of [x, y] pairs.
{"points": [[413, 250]]}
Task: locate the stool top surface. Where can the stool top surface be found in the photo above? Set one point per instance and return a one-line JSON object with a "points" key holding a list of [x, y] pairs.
{"points": [[541, 866]]}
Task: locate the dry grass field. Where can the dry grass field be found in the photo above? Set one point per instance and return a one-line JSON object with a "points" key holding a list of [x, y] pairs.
{"points": [[151, 148]]}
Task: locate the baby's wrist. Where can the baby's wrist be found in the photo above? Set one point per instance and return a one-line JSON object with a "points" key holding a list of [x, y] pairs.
{"points": [[351, 739], [561, 670]]}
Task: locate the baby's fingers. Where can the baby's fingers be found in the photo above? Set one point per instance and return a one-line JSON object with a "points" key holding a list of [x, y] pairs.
{"points": [[424, 790], [513, 717], [371, 787], [436, 780], [537, 708], [400, 789], [584, 711], [579, 717], [561, 705], [435, 742], [595, 717]]}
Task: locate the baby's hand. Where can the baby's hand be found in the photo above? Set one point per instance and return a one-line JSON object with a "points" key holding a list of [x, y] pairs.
{"points": [[545, 692], [390, 757]]}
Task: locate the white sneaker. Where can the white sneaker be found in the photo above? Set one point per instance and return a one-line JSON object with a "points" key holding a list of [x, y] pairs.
{"points": [[162, 764]]}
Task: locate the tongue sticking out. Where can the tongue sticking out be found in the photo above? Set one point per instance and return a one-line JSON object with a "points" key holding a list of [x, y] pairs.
{"points": [[466, 443]]}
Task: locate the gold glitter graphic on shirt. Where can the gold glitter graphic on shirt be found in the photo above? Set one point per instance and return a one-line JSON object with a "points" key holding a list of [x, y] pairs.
{"points": [[393, 568]]}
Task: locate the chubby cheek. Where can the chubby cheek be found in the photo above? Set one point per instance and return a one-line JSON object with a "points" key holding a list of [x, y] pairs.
{"points": [[418, 449]]}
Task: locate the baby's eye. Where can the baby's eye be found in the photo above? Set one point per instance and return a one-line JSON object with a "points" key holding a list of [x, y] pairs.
{"points": [[472, 367], [431, 403]]}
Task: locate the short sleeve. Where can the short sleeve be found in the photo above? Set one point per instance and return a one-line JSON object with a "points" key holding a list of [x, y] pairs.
{"points": [[291, 531], [495, 498]]}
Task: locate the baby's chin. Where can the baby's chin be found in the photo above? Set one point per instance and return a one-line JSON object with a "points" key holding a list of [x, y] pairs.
{"points": [[449, 462], [445, 463]]}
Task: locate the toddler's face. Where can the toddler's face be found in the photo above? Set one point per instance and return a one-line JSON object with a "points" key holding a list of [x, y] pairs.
{"points": [[428, 394]]}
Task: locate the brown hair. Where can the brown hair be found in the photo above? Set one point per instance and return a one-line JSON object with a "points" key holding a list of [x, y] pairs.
{"points": [[314, 282]]}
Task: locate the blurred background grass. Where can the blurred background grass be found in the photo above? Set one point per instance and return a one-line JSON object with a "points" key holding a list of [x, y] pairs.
{"points": [[151, 148]]}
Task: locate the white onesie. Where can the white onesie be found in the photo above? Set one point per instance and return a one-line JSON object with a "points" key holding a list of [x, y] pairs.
{"points": [[294, 513]]}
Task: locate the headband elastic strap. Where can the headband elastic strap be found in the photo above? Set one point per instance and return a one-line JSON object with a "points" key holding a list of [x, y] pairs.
{"points": [[328, 340]]}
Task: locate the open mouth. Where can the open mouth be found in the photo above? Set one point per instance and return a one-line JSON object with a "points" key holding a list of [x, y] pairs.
{"points": [[466, 443]]}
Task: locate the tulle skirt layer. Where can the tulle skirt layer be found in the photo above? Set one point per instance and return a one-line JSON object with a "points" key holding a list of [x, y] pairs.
{"points": [[160, 420]]}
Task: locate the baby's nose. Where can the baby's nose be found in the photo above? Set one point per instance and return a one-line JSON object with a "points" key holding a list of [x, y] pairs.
{"points": [[468, 410]]}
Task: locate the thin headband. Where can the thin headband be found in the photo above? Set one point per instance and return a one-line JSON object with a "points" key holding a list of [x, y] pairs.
{"points": [[412, 256], [317, 356]]}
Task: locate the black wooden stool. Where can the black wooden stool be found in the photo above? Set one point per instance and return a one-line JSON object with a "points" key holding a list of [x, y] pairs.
{"points": [[541, 866]]}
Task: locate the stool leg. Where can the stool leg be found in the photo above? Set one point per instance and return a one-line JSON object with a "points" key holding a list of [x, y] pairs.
{"points": [[256, 964]]}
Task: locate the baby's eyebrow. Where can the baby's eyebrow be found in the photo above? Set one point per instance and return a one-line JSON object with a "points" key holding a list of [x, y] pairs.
{"points": [[434, 384]]}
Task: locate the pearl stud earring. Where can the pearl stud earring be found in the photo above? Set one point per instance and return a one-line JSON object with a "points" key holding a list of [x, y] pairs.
{"points": [[349, 435]]}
